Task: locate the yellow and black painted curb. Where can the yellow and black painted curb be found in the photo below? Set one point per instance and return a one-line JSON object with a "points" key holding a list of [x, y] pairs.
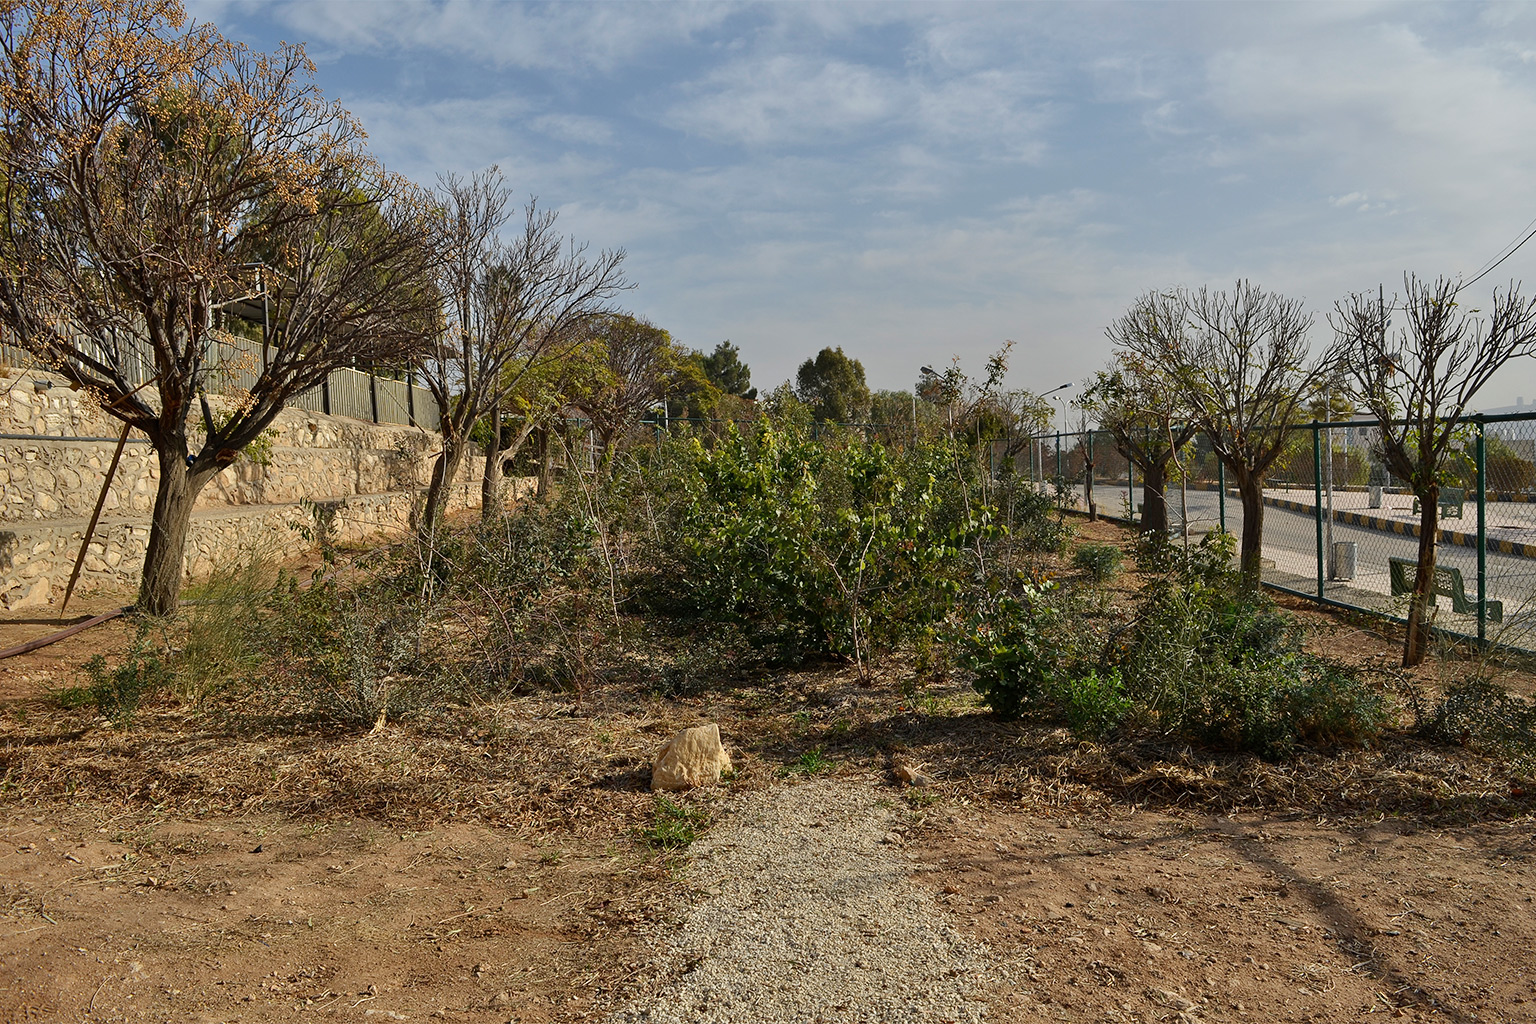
{"points": [[1370, 522]]}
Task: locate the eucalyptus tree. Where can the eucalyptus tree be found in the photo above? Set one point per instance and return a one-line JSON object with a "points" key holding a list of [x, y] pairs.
{"points": [[833, 385], [1418, 381], [155, 175]]}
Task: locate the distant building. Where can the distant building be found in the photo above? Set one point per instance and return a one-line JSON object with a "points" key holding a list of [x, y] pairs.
{"points": [[1506, 410]]}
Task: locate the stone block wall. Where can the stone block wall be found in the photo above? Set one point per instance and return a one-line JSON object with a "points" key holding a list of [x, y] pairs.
{"points": [[367, 480], [311, 456]]}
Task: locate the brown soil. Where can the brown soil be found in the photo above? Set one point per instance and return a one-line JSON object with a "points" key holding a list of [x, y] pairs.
{"points": [[51, 667], [1145, 916], [143, 918], [493, 868]]}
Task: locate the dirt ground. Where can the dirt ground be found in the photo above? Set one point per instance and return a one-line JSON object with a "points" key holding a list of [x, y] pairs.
{"points": [[1124, 915], [57, 664], [155, 919], [1147, 916], [499, 872]]}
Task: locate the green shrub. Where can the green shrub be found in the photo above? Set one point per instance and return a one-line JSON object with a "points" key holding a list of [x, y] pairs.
{"points": [[1031, 518], [118, 690], [1099, 561], [350, 657], [1213, 664], [1482, 714], [1202, 661], [1209, 561], [1333, 708], [1011, 649], [1092, 704], [821, 547]]}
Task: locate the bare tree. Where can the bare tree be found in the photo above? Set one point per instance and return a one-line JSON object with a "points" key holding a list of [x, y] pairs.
{"points": [[509, 308], [152, 179], [1240, 363], [1148, 423], [1083, 421], [1418, 382]]}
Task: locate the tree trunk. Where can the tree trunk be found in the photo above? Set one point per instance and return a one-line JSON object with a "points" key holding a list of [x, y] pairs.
{"points": [[444, 472], [1421, 616], [1154, 504], [490, 477], [1251, 490], [493, 493], [605, 439], [1093, 508], [545, 471], [160, 586]]}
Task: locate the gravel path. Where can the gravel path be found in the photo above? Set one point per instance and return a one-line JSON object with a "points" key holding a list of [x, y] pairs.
{"points": [[803, 912]]}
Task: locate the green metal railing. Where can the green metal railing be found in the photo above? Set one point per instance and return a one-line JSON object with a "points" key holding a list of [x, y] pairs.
{"points": [[1335, 522]]}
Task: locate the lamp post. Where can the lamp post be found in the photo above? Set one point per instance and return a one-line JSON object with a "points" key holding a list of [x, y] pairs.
{"points": [[932, 377], [1059, 387], [1060, 422]]}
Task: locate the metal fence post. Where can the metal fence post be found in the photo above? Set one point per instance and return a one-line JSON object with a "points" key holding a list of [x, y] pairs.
{"points": [[1317, 501], [1088, 477], [1221, 494], [1482, 536], [1130, 489]]}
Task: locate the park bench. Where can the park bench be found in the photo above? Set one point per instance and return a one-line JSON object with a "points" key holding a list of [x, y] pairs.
{"points": [[1452, 499], [1448, 583]]}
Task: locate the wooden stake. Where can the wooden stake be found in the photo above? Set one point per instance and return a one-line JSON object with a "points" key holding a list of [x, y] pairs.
{"points": [[90, 530]]}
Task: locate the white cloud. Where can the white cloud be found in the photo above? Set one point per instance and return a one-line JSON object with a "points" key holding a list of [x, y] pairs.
{"points": [[422, 139], [787, 99], [574, 128], [913, 180], [562, 37], [1444, 127]]}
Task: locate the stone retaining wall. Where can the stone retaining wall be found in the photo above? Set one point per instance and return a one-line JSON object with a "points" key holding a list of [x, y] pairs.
{"points": [[309, 455], [36, 559], [367, 480]]}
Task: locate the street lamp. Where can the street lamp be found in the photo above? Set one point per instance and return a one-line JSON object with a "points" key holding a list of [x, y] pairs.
{"points": [[1033, 446], [932, 377], [927, 372], [1047, 394]]}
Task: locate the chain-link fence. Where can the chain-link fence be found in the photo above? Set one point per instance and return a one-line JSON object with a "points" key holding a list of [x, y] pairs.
{"points": [[1339, 528]]}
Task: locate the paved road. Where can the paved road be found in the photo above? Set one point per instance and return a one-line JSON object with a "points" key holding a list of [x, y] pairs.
{"points": [[1290, 541]]}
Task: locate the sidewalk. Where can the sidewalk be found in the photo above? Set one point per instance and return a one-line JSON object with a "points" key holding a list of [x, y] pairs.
{"points": [[1511, 526]]}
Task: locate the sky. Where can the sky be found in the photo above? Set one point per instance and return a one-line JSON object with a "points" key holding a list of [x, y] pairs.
{"points": [[919, 183]]}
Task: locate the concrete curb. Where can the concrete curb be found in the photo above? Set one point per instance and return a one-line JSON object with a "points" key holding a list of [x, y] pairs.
{"points": [[1402, 529]]}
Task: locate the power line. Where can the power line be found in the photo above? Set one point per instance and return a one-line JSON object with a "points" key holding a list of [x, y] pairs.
{"points": [[1530, 232]]}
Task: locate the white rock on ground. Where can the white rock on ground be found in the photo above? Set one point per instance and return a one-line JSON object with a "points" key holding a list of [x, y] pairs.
{"points": [[692, 757], [801, 913]]}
